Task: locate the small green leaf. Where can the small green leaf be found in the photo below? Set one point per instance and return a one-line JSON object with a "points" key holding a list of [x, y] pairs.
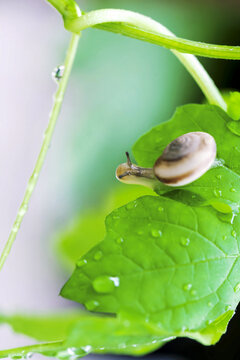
{"points": [[43, 327], [233, 103], [81, 333], [121, 335], [169, 267]]}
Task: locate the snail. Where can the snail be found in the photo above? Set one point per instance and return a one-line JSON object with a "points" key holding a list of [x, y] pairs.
{"points": [[183, 161]]}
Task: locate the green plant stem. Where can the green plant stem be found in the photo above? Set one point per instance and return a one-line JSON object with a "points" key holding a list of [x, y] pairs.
{"points": [[138, 22], [67, 8], [58, 98], [54, 346], [172, 42]]}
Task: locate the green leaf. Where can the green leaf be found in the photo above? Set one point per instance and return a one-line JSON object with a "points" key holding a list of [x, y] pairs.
{"points": [[233, 103], [159, 260], [121, 335], [88, 228], [43, 327], [220, 184], [82, 333]]}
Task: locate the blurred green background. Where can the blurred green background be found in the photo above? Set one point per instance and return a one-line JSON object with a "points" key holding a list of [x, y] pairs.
{"points": [[119, 89]]}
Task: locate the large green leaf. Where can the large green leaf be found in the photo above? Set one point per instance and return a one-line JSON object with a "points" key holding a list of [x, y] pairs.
{"points": [[175, 265]]}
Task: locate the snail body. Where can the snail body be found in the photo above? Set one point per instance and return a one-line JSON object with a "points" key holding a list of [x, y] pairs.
{"points": [[183, 161]]}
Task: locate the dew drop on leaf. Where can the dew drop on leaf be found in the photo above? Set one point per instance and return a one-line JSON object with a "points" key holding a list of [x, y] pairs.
{"points": [[219, 176], [91, 305], [208, 322], [105, 284], [98, 255], [228, 307], [218, 163], [184, 241], [217, 193], [210, 304], [119, 240], [233, 189], [130, 206], [234, 234], [187, 287], [237, 287], [160, 209], [81, 262], [193, 292], [156, 233]]}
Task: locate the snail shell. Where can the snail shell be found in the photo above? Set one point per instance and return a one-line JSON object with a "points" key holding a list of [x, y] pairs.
{"points": [[185, 159]]}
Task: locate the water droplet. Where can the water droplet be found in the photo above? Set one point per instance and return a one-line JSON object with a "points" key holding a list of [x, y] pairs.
{"points": [[16, 357], [160, 209], [57, 73], [81, 262], [23, 209], [224, 237], [234, 234], [130, 206], [16, 227], [237, 287], [184, 241], [71, 354], [219, 176], [105, 284], [217, 192], [87, 349], [228, 218], [91, 305], [119, 240], [75, 353], [210, 304], [228, 307], [208, 322], [193, 292], [98, 255], [187, 287], [218, 163], [156, 233], [233, 189]]}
